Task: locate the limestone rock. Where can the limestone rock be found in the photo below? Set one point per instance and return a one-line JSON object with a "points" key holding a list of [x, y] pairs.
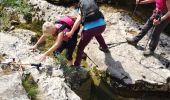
{"points": [[51, 84], [11, 87], [48, 12], [126, 62]]}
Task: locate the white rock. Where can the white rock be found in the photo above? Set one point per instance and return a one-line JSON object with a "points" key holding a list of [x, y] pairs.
{"points": [[11, 87], [16, 45], [124, 59]]}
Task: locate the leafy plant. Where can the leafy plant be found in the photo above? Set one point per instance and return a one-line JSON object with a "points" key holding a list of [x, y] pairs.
{"points": [[4, 20], [17, 7], [21, 6]]}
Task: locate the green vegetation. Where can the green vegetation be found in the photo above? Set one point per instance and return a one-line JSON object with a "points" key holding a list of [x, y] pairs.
{"points": [[1, 57], [21, 6], [35, 26], [30, 86], [10, 10]]}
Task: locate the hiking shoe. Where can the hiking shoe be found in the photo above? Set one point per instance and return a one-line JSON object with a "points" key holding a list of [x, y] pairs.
{"points": [[148, 52], [104, 50], [131, 41]]}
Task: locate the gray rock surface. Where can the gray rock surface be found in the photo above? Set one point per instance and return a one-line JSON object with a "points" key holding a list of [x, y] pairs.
{"points": [[124, 59], [11, 87], [50, 81], [47, 11], [125, 62]]}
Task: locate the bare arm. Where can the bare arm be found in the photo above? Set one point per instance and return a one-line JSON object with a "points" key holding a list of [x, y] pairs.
{"points": [[42, 39], [168, 13], [75, 26], [145, 1], [56, 44]]}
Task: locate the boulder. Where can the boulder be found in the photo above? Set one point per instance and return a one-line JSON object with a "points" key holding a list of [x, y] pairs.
{"points": [[11, 87], [49, 12]]}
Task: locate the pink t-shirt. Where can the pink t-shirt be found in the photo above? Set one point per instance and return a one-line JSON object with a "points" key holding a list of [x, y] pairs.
{"points": [[65, 38], [59, 25], [160, 5]]}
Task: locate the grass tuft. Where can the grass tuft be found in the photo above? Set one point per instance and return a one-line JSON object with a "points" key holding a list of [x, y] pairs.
{"points": [[30, 86]]}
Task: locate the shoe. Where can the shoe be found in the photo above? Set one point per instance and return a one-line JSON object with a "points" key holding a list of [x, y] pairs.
{"points": [[148, 52], [131, 41], [104, 50]]}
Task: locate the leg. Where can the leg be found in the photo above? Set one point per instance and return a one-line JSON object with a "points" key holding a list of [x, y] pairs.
{"points": [[100, 38], [144, 30], [86, 36], [69, 51], [71, 45], [156, 34], [60, 49]]}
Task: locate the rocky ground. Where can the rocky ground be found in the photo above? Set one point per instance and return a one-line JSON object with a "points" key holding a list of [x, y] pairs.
{"points": [[11, 87], [126, 58], [124, 62], [51, 82]]}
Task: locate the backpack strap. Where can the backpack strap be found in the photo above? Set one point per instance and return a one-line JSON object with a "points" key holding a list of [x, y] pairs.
{"points": [[64, 25]]}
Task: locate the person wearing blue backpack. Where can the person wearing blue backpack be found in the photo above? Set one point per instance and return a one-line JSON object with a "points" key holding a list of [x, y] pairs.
{"points": [[93, 26]]}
